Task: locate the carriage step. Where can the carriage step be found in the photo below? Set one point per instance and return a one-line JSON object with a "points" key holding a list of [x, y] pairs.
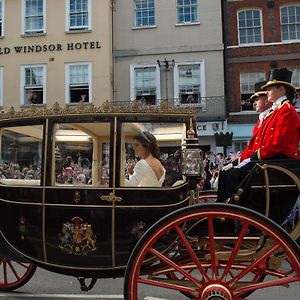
{"points": [[83, 285]]}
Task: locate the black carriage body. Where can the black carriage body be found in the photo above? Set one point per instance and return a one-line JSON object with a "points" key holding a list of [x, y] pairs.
{"points": [[76, 228]]}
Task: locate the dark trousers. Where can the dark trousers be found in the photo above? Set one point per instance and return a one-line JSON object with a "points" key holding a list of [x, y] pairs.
{"points": [[282, 200]]}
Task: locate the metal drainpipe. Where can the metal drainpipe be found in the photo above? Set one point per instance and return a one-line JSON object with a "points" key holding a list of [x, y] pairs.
{"points": [[225, 60]]}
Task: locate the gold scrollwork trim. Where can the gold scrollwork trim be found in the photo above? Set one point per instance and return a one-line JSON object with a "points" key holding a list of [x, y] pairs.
{"points": [[87, 109], [111, 198]]}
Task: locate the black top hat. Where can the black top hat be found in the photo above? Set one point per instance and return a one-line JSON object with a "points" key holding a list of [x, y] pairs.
{"points": [[282, 77], [258, 89]]}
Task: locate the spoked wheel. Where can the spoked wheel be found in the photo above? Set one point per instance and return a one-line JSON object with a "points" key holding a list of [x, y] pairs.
{"points": [[14, 274], [219, 252]]}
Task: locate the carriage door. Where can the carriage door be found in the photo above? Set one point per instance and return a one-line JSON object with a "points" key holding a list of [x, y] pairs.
{"points": [[77, 221], [141, 204]]}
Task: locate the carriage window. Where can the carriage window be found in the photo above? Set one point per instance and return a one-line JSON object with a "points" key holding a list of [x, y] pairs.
{"points": [[169, 136], [21, 155], [82, 154]]}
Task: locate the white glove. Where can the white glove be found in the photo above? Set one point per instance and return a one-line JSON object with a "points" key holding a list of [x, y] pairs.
{"points": [[227, 167], [243, 163]]}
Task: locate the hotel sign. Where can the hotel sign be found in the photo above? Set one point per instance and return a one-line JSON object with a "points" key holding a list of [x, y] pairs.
{"points": [[36, 48]]}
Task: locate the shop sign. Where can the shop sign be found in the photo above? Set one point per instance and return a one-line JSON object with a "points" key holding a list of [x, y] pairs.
{"points": [[210, 128]]}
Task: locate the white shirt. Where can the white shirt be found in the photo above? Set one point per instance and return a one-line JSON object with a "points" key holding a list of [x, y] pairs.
{"points": [[278, 102], [263, 114]]}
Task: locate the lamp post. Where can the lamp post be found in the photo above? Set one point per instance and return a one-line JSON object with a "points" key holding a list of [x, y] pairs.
{"points": [[167, 65], [224, 140]]}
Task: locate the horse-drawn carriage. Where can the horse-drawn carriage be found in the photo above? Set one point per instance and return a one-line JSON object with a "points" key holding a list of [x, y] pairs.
{"points": [[65, 207]]}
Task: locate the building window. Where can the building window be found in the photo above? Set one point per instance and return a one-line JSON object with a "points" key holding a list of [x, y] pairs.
{"points": [[145, 84], [144, 11], [249, 24], [296, 83], [247, 83], [78, 86], [1, 86], [33, 83], [296, 77], [290, 23], [187, 11], [34, 16], [1, 17], [189, 83], [79, 15]]}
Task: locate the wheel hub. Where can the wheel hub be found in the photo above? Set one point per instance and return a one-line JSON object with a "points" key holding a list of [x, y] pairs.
{"points": [[216, 292]]}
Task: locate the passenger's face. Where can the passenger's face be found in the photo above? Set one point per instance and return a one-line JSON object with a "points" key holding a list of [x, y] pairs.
{"points": [[261, 103], [274, 92], [140, 150]]}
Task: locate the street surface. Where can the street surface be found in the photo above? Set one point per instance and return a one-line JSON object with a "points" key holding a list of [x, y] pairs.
{"points": [[48, 286]]}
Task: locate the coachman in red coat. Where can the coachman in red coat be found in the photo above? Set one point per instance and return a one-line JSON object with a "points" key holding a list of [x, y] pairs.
{"points": [[263, 106], [278, 138], [280, 134]]}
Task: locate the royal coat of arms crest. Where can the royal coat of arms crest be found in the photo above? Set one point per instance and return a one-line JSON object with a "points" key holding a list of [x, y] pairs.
{"points": [[77, 237]]}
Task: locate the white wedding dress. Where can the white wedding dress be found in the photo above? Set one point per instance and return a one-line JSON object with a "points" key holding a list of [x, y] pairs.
{"points": [[143, 175]]}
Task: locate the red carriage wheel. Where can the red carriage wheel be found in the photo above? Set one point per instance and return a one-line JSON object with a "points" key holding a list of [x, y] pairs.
{"points": [[212, 251], [14, 274]]}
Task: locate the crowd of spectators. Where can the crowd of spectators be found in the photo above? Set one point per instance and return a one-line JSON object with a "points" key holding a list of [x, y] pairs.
{"points": [[213, 163], [15, 171], [79, 171], [75, 172]]}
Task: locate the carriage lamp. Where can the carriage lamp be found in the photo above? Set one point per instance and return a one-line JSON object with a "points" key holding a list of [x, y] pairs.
{"points": [[191, 156]]}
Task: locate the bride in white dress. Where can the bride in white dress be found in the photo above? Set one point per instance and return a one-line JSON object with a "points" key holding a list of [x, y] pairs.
{"points": [[148, 171]]}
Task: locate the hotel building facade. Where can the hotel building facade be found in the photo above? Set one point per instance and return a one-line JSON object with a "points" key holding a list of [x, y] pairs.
{"points": [[92, 51], [55, 51]]}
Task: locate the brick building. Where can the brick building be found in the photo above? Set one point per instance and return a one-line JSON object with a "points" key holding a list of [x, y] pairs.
{"points": [[259, 35]]}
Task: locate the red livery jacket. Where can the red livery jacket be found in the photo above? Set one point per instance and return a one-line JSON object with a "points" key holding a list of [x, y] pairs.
{"points": [[252, 145], [279, 134], [250, 149]]}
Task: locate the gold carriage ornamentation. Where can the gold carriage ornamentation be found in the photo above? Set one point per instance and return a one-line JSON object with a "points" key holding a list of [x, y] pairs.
{"points": [[77, 237]]}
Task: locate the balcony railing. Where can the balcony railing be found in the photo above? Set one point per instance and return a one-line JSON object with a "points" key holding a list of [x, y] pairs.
{"points": [[208, 108]]}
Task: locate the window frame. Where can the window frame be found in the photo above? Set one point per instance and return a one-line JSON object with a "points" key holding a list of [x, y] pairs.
{"points": [[252, 90], [297, 69], [23, 23], [133, 76], [190, 14], [67, 82], [202, 90], [256, 80], [78, 29], [31, 130], [2, 18], [288, 24], [148, 17], [23, 86], [261, 26]]}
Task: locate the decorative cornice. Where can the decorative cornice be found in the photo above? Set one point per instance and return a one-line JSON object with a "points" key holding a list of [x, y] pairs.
{"points": [[134, 107]]}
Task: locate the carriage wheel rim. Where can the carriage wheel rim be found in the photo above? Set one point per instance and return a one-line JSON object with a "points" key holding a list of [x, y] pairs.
{"points": [[224, 293], [11, 277]]}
